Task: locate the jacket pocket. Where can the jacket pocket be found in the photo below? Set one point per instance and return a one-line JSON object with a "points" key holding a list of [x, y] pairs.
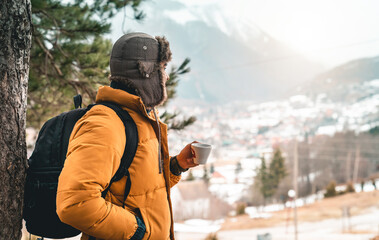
{"points": [[146, 222]]}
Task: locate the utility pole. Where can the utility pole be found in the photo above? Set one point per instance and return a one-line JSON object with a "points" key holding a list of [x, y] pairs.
{"points": [[356, 164], [348, 167], [295, 173]]}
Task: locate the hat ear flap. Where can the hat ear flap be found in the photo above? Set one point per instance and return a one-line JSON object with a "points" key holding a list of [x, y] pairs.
{"points": [[165, 54], [146, 68]]}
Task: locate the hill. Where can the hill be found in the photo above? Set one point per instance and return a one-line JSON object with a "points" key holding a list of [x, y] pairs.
{"points": [[343, 83]]}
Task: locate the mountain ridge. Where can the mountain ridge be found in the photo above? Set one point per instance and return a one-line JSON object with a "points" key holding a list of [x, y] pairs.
{"points": [[340, 82], [228, 67]]}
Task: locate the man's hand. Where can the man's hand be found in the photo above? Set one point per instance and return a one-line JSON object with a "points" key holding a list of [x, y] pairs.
{"points": [[186, 157]]}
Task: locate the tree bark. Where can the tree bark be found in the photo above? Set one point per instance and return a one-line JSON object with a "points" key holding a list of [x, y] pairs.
{"points": [[15, 43]]}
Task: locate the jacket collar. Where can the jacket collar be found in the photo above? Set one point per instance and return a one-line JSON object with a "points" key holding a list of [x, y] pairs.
{"points": [[123, 98], [117, 85]]}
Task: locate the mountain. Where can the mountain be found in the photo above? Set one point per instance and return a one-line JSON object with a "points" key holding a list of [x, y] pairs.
{"points": [[344, 82], [229, 60], [354, 71]]}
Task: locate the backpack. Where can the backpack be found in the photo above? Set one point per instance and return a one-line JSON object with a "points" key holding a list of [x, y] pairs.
{"points": [[46, 163]]}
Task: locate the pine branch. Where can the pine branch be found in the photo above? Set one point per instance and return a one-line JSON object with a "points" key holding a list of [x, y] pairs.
{"points": [[171, 118]]}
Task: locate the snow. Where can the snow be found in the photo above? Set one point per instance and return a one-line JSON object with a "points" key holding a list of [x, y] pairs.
{"points": [[330, 229], [372, 83], [230, 193], [326, 130], [253, 212], [198, 226]]}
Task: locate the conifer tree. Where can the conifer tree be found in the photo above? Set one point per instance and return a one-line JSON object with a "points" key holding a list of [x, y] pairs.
{"points": [[269, 178], [277, 170], [70, 55], [171, 119], [264, 182]]}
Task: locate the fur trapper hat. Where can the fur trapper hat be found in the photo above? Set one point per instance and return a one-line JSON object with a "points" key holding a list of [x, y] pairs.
{"points": [[137, 60]]}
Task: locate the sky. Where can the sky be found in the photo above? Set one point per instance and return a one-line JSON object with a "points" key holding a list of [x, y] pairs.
{"points": [[329, 31]]}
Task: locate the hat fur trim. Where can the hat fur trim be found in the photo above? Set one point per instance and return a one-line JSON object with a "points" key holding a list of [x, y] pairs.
{"points": [[165, 54]]}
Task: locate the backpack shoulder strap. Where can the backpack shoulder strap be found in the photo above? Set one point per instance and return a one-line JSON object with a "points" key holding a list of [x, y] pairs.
{"points": [[130, 147], [131, 134]]}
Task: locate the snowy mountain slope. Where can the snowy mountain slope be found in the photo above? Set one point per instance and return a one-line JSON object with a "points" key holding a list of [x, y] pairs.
{"points": [[230, 59], [349, 82]]}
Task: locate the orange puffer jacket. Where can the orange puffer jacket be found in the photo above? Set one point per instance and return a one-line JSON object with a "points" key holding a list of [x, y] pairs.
{"points": [[96, 145]]}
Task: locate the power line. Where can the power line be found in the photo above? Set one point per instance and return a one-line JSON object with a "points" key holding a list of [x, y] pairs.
{"points": [[332, 140], [339, 158], [334, 158], [326, 159], [340, 146], [327, 151]]}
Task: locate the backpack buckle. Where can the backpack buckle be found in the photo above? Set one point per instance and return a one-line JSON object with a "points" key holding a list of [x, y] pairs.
{"points": [[78, 101]]}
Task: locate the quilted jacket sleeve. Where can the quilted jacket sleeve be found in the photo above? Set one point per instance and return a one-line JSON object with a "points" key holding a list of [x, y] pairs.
{"points": [[174, 179], [95, 148], [175, 173]]}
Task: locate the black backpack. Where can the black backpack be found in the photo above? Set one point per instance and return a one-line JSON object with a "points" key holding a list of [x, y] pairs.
{"points": [[46, 163]]}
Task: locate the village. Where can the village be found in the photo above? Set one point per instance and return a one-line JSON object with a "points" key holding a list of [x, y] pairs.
{"points": [[240, 138]]}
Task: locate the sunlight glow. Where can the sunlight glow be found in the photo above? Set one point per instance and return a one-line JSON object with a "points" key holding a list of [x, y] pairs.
{"points": [[314, 28]]}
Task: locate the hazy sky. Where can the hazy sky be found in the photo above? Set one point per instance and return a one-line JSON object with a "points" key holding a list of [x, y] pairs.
{"points": [[331, 31]]}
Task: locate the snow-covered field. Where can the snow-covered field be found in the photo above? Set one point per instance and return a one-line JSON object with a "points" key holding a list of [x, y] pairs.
{"points": [[363, 227]]}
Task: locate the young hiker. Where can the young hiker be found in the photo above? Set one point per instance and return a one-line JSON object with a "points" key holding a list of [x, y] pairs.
{"points": [[97, 143]]}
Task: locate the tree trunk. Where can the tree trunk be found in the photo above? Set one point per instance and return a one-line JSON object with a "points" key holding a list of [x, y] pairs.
{"points": [[15, 43]]}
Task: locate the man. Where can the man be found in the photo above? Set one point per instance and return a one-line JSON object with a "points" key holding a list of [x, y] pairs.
{"points": [[97, 143]]}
